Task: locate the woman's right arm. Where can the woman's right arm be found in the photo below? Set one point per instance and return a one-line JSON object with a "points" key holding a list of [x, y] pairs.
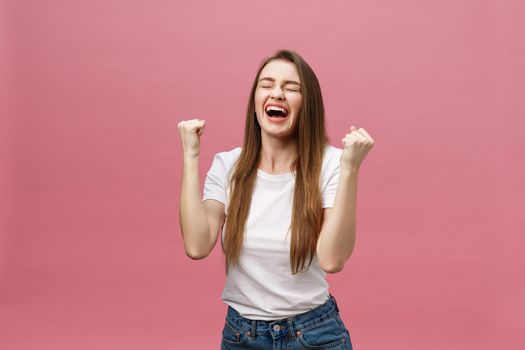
{"points": [[199, 222]]}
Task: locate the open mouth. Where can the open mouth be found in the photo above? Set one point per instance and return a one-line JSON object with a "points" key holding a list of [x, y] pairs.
{"points": [[276, 111]]}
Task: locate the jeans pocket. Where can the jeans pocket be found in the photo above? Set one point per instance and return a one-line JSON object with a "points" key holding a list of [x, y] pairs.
{"points": [[230, 335], [324, 335]]}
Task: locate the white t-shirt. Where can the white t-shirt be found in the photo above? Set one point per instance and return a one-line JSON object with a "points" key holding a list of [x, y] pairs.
{"points": [[262, 286]]}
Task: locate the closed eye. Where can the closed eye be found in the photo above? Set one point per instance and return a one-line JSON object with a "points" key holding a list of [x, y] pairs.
{"points": [[269, 87]]}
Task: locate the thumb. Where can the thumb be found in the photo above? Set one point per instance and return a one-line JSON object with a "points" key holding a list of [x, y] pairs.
{"points": [[353, 128]]}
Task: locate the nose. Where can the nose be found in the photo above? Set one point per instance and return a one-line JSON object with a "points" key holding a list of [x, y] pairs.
{"points": [[278, 93]]}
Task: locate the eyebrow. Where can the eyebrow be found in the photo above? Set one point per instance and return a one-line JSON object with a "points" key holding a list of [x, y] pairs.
{"points": [[286, 81]]}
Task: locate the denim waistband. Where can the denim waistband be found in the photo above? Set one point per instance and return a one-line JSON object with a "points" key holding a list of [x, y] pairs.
{"points": [[285, 326]]}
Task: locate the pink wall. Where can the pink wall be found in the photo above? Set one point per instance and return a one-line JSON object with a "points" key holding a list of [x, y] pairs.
{"points": [[91, 255]]}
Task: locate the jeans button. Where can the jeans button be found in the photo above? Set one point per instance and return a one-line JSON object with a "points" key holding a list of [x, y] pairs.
{"points": [[276, 327]]}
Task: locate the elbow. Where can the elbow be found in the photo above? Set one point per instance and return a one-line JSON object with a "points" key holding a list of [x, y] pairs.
{"points": [[331, 264], [332, 267], [196, 255]]}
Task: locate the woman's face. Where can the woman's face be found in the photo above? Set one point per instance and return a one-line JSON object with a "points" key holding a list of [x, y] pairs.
{"points": [[278, 98]]}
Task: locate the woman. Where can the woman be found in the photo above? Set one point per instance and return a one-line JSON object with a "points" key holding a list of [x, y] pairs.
{"points": [[286, 196]]}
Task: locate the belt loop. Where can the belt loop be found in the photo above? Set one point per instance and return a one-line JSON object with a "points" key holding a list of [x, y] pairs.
{"points": [[254, 329], [291, 331], [335, 302]]}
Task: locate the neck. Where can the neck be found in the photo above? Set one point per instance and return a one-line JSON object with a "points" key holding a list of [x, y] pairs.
{"points": [[277, 155]]}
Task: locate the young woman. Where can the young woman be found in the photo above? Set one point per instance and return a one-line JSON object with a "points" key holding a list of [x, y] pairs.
{"points": [[284, 204]]}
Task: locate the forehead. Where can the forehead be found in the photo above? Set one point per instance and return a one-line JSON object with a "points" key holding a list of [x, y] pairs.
{"points": [[280, 69]]}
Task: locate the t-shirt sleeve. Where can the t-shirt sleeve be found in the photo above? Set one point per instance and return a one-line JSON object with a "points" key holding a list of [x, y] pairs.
{"points": [[331, 179], [215, 183]]}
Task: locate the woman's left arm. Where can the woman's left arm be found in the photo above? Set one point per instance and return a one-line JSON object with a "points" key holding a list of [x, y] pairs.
{"points": [[337, 237]]}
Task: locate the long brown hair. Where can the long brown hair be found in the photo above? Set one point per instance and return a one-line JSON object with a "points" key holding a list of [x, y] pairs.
{"points": [[307, 201]]}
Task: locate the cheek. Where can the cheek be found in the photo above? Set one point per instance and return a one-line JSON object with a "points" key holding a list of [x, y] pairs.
{"points": [[297, 108], [258, 107], [258, 101]]}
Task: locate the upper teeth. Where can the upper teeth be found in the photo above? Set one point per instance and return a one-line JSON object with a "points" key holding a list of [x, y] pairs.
{"points": [[275, 108]]}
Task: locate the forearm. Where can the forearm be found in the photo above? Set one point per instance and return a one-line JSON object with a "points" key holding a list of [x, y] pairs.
{"points": [[192, 214], [337, 240]]}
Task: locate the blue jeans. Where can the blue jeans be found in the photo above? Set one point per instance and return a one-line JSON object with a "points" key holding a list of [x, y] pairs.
{"points": [[319, 328]]}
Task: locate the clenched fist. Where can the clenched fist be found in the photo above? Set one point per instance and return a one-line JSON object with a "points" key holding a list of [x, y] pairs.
{"points": [[190, 132], [356, 146]]}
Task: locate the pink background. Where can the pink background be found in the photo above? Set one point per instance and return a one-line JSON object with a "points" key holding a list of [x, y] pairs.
{"points": [[91, 92]]}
